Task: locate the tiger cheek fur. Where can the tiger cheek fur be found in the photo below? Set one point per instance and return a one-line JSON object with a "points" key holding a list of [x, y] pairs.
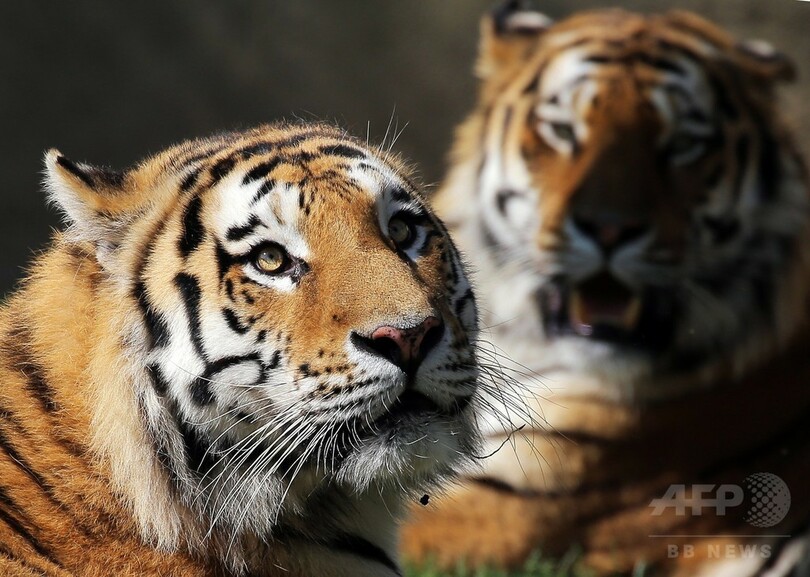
{"points": [[256, 346]]}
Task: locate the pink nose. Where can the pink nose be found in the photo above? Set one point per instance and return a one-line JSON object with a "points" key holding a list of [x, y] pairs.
{"points": [[406, 348]]}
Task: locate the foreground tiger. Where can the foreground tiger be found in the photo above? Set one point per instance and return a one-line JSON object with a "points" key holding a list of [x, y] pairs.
{"points": [[639, 217], [240, 358]]}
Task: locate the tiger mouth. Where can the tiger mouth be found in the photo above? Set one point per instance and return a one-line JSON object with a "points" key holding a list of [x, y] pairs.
{"points": [[603, 301], [412, 402], [604, 309]]}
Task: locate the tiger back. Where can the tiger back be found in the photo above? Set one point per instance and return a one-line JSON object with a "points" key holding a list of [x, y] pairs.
{"points": [[240, 358], [638, 215]]}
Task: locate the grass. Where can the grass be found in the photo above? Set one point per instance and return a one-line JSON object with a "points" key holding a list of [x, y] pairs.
{"points": [[536, 566]]}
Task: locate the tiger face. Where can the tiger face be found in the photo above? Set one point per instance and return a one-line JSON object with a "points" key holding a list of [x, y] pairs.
{"points": [[295, 321], [635, 205]]}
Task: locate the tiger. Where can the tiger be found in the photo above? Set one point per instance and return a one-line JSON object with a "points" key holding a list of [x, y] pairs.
{"points": [[628, 189], [241, 357]]}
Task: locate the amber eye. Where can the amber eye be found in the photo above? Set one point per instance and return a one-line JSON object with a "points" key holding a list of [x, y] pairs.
{"points": [[401, 231], [271, 259]]}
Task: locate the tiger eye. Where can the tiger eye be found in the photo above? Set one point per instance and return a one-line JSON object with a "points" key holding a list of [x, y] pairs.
{"points": [[271, 259], [400, 231], [564, 131]]}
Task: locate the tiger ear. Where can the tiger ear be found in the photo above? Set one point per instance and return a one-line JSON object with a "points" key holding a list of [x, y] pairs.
{"points": [[93, 200], [508, 34], [763, 61]]}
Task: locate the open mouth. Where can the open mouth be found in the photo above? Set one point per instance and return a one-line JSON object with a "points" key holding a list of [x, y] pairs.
{"points": [[603, 308], [603, 301]]}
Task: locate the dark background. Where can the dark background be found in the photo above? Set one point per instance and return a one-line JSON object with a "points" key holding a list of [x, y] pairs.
{"points": [[110, 83]]}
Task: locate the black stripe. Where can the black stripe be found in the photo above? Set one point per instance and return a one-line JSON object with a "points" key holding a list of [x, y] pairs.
{"points": [[236, 233], [399, 195], [270, 146], [770, 165], [229, 289], [363, 548], [261, 170], [263, 191], [201, 392], [190, 292], [193, 231], [201, 386], [158, 380], [426, 244], [201, 151], [109, 178], [221, 364], [23, 465], [37, 478], [190, 180], [345, 543], [274, 362], [17, 345], [662, 64], [155, 323], [503, 197], [342, 150], [222, 168], [6, 505], [721, 229], [74, 169], [38, 386], [741, 155], [462, 301], [233, 322], [198, 456], [224, 261]]}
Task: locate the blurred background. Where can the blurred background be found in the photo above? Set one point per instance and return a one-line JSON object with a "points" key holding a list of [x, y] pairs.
{"points": [[111, 82]]}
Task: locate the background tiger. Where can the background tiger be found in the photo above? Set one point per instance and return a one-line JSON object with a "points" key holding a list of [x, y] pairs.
{"points": [[240, 358], [639, 218]]}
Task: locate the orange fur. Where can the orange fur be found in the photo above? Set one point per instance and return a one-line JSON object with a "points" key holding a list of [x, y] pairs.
{"points": [[619, 430]]}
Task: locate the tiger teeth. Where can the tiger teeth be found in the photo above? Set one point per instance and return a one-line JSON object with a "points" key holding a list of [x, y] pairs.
{"points": [[583, 317], [577, 310], [632, 313], [579, 315]]}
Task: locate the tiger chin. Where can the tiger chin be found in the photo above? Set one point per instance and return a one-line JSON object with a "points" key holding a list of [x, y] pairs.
{"points": [[241, 357], [638, 216]]}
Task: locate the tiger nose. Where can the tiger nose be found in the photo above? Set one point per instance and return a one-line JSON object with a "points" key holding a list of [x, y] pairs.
{"points": [[406, 347], [609, 235]]}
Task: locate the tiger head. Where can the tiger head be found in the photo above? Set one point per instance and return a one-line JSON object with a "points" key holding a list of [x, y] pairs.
{"points": [[638, 204], [289, 317]]}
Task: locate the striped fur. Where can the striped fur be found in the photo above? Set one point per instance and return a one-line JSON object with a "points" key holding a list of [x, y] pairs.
{"points": [[640, 222], [171, 408]]}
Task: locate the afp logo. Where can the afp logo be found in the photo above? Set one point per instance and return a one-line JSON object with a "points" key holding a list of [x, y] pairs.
{"points": [[765, 496]]}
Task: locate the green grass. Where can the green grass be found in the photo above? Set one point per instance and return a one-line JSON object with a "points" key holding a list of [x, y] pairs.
{"points": [[536, 566]]}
